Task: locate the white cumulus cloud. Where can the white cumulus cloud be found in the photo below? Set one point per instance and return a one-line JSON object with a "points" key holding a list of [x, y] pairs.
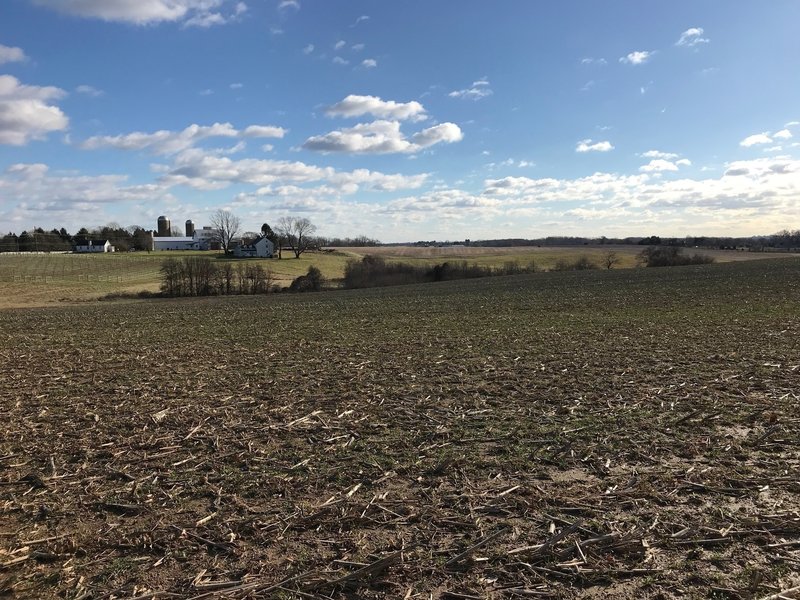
{"points": [[357, 106], [783, 134], [444, 132], [263, 131], [659, 154], [479, 89], [197, 13], [638, 57], [369, 63], [692, 37], [165, 142], [755, 139], [204, 171], [589, 145], [11, 54], [89, 90], [382, 137], [27, 112], [659, 165]]}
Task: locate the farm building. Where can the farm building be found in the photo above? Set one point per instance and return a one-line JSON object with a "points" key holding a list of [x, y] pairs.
{"points": [[195, 239], [201, 239], [176, 243], [260, 248], [95, 246], [207, 238]]}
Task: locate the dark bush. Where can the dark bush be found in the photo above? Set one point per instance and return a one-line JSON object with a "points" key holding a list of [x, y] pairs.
{"points": [[310, 282], [670, 256], [375, 271]]}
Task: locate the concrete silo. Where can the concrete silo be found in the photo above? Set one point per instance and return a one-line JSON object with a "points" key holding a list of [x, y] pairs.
{"points": [[164, 227]]}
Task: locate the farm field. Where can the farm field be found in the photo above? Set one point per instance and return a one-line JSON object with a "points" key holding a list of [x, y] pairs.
{"points": [[47, 279], [606, 434]]}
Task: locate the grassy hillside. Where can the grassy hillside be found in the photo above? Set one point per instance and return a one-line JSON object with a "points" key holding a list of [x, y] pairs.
{"points": [[42, 279], [622, 434]]}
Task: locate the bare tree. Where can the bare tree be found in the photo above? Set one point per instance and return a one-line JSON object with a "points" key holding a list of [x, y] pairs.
{"points": [[610, 259], [296, 232], [226, 226]]}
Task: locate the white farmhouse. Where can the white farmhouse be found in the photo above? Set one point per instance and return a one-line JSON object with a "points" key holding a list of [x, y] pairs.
{"points": [[261, 248], [95, 246]]}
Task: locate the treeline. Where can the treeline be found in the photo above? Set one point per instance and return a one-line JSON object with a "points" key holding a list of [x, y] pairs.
{"points": [[38, 240], [375, 271], [60, 240], [786, 240], [360, 241], [202, 276]]}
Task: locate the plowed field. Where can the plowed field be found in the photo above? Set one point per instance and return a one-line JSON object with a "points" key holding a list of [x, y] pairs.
{"points": [[614, 434]]}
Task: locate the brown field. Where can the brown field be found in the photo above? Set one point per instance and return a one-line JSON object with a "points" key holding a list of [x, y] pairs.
{"points": [[607, 434], [544, 257]]}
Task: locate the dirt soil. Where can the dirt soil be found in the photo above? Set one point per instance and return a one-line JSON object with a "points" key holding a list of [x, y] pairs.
{"points": [[623, 434]]}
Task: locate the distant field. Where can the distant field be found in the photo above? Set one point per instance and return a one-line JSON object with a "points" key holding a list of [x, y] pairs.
{"points": [[626, 434], [543, 257], [45, 279]]}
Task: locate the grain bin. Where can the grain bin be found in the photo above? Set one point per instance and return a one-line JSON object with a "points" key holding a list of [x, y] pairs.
{"points": [[164, 227]]}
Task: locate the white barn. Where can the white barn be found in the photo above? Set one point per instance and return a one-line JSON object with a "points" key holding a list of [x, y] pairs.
{"points": [[261, 248], [175, 243], [200, 240], [95, 246]]}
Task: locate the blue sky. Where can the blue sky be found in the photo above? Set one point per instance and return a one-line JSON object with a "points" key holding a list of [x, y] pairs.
{"points": [[403, 121]]}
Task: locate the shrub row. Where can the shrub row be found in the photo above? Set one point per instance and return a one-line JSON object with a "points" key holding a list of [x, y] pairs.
{"points": [[200, 276], [375, 271], [671, 256], [582, 263]]}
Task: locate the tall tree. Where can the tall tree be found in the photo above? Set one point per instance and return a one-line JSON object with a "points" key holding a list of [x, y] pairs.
{"points": [[297, 232], [273, 237], [81, 237], [226, 226], [141, 238], [267, 232]]}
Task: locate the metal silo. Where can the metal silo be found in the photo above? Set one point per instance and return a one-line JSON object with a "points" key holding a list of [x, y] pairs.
{"points": [[189, 228], [164, 226]]}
